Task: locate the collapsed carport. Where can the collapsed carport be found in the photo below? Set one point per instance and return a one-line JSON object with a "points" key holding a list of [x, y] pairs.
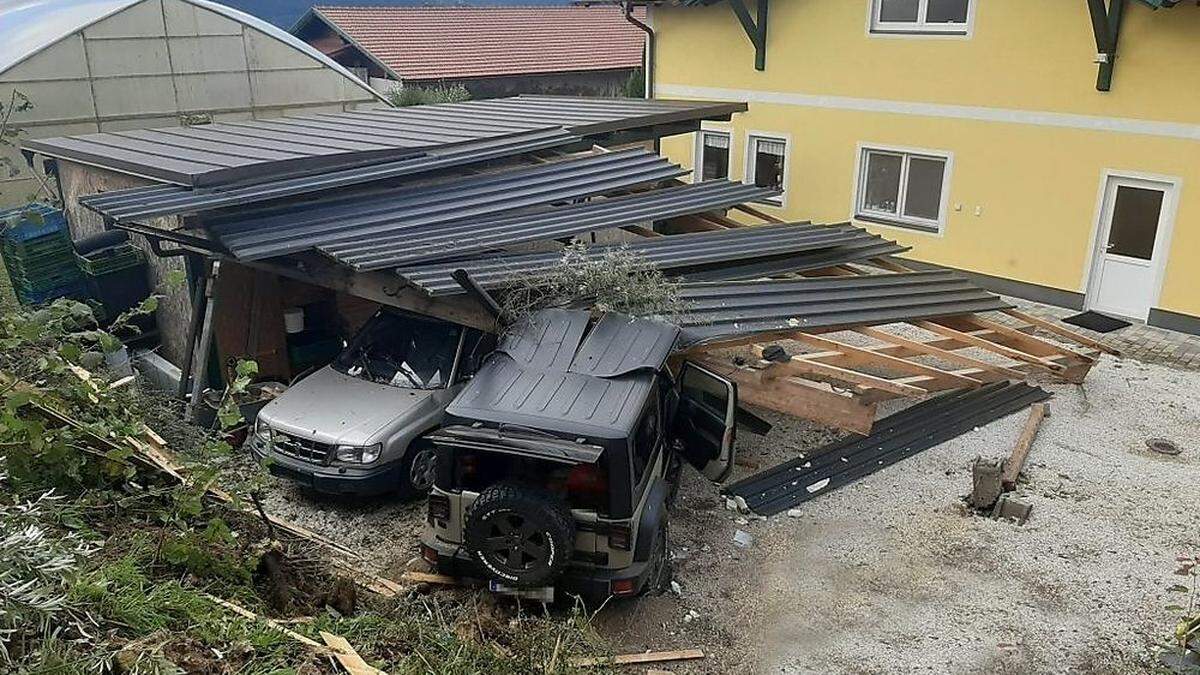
{"points": [[494, 188]]}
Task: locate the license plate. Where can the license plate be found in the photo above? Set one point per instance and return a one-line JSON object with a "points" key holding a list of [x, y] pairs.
{"points": [[543, 594]]}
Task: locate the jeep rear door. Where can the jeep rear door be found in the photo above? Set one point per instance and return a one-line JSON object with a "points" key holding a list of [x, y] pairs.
{"points": [[706, 420]]}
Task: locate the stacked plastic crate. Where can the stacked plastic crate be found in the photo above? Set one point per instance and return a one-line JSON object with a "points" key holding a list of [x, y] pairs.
{"points": [[38, 254]]}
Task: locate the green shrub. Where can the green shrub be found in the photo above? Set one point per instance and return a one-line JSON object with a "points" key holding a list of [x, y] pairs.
{"points": [[415, 95]]}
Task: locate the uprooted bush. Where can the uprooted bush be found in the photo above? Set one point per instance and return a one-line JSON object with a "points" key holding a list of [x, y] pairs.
{"points": [[609, 279], [108, 565]]}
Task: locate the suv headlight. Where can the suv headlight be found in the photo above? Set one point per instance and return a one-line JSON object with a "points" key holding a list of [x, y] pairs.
{"points": [[356, 455], [262, 430]]}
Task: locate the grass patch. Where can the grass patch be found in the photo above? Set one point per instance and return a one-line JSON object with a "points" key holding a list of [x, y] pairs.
{"points": [[8, 301]]}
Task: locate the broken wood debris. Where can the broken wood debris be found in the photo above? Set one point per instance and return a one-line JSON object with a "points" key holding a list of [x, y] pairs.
{"points": [[645, 657], [345, 655]]}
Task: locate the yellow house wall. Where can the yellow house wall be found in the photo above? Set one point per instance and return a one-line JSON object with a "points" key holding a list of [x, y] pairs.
{"points": [[1023, 197]]}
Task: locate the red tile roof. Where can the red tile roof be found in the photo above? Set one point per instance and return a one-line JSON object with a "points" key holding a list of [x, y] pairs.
{"points": [[433, 43]]}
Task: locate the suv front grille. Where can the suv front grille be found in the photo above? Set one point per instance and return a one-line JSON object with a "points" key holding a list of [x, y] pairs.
{"points": [[302, 449]]}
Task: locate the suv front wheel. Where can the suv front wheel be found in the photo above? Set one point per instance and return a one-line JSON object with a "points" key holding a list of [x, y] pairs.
{"points": [[521, 536], [418, 470]]}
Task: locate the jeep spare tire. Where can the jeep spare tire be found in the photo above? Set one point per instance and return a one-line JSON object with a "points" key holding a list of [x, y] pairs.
{"points": [[521, 536]]}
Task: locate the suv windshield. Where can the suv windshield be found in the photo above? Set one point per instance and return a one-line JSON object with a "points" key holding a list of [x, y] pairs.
{"points": [[402, 350]]}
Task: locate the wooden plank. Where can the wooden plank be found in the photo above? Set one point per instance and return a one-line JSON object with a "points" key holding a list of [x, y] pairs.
{"points": [[898, 345], [1012, 468], [860, 357], [797, 398], [427, 578], [1062, 331], [345, 655], [247, 614], [744, 208], [646, 657], [889, 265], [1031, 344], [799, 365], [977, 341]]}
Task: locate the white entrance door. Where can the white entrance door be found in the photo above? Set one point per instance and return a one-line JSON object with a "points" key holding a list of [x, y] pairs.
{"points": [[1131, 246]]}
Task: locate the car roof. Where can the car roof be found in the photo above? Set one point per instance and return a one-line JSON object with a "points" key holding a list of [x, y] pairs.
{"points": [[558, 371]]}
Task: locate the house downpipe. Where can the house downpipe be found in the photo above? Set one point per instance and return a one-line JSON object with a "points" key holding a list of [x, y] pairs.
{"points": [[649, 46]]}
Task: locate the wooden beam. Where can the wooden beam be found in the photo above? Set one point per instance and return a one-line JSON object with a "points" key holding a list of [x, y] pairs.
{"points": [[1011, 337], [860, 357], [803, 367], [1061, 331], [1012, 468], [641, 657], [995, 347], [889, 265], [904, 346], [805, 400], [382, 287]]}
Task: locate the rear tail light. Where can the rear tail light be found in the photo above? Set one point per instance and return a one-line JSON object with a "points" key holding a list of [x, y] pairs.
{"points": [[622, 587], [439, 507], [620, 536], [430, 554]]}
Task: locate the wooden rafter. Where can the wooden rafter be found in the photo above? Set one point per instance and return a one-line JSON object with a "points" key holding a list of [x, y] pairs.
{"points": [[902, 346], [811, 368], [977, 340], [850, 355], [1061, 331]]}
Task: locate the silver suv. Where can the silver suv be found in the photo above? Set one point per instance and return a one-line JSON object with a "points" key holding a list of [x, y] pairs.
{"points": [[558, 461], [356, 426]]}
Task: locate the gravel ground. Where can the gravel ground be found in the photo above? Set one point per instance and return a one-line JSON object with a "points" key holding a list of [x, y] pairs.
{"points": [[893, 574]]}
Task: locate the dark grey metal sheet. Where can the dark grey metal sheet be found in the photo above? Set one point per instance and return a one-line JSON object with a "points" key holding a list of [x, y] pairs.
{"points": [[470, 236], [866, 248], [504, 392], [701, 256], [546, 340], [417, 213], [344, 140], [620, 344], [158, 201], [730, 310], [894, 438]]}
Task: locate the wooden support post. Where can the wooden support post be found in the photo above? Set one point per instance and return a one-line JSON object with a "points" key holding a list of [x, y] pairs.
{"points": [[204, 346], [1012, 468], [199, 302]]}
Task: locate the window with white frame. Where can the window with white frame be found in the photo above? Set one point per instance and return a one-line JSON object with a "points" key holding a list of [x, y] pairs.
{"points": [[920, 16], [713, 160], [902, 188], [766, 164]]}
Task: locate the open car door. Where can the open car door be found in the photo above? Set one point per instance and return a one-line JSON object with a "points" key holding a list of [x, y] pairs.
{"points": [[706, 420]]}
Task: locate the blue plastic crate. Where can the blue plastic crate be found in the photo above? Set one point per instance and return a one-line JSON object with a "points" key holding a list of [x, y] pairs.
{"points": [[19, 227], [77, 290]]}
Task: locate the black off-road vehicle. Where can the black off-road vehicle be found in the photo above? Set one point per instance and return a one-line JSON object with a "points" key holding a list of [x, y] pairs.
{"points": [[557, 463]]}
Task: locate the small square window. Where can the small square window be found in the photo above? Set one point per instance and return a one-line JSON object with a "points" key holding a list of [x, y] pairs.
{"points": [[947, 17], [902, 188], [766, 165], [713, 163]]}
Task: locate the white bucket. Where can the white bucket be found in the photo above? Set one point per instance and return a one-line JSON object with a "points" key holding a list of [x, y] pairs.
{"points": [[293, 320]]}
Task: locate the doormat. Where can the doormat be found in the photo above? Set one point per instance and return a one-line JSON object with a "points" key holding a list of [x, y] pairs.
{"points": [[1098, 322]]}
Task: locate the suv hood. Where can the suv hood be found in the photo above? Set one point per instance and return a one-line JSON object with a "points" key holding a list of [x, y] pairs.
{"points": [[329, 407]]}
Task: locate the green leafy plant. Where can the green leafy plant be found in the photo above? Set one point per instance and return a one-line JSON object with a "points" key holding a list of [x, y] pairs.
{"points": [[616, 280], [1187, 632], [9, 132], [416, 95]]}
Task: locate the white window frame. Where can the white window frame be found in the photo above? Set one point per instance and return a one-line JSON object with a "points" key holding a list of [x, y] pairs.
{"points": [[698, 151], [748, 165], [898, 219], [918, 28]]}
